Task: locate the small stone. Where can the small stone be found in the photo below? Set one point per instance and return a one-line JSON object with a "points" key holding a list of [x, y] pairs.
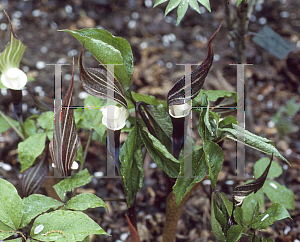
{"points": [[143, 45], [169, 65], [135, 15], [132, 24], [262, 21], [40, 65], [148, 3], [284, 14], [3, 26], [83, 95], [36, 13], [38, 89], [260, 97], [124, 236], [287, 230], [98, 174], [44, 49], [3, 91], [68, 9], [153, 165]]}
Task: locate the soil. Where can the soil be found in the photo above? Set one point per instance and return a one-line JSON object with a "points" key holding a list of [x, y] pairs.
{"points": [[157, 46]]}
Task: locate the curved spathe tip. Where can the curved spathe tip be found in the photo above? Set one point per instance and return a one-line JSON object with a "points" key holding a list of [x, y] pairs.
{"points": [[14, 78]]}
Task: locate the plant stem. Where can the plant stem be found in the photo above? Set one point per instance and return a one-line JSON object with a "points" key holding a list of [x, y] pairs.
{"points": [[173, 214], [12, 125], [86, 148], [20, 119]]}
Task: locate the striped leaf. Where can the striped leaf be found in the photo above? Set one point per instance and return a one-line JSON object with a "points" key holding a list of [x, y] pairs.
{"points": [[65, 143], [12, 54], [176, 95], [96, 82], [34, 177]]}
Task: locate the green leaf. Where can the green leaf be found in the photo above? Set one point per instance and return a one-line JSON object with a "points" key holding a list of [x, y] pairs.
{"points": [[214, 160], [184, 185], [108, 49], [279, 194], [36, 204], [132, 170], [214, 95], [160, 154], [234, 233], [11, 206], [249, 204], [194, 5], [13, 52], [292, 107], [4, 125], [261, 165], [181, 10], [227, 122], [30, 149], [46, 121], [159, 2], [79, 179], [252, 140], [238, 216], [226, 202], [84, 201], [87, 239], [6, 231], [15, 240], [162, 124], [206, 125], [238, 2], [72, 226], [205, 3], [275, 212], [151, 100], [256, 238], [172, 5], [79, 155], [30, 126], [216, 214]]}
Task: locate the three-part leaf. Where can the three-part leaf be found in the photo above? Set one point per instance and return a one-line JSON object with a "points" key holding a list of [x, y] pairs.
{"points": [[79, 179]]}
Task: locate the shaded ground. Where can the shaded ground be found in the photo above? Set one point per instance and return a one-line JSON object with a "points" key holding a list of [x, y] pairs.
{"points": [[157, 46]]}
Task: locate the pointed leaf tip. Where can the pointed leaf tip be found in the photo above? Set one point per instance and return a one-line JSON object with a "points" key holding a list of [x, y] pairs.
{"points": [[176, 95]]}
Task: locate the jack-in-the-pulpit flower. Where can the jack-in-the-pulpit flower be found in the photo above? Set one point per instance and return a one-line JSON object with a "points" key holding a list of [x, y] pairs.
{"points": [[114, 118], [14, 78], [180, 111]]}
